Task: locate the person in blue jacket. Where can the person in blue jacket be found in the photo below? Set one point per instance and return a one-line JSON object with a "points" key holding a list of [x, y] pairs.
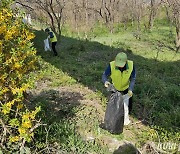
{"points": [[123, 75], [53, 39]]}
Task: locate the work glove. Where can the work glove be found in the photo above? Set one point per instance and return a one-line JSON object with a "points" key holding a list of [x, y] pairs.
{"points": [[106, 84], [130, 93]]}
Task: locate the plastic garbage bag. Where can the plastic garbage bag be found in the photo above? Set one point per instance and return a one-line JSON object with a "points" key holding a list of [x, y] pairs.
{"points": [[46, 45], [116, 115], [126, 109]]}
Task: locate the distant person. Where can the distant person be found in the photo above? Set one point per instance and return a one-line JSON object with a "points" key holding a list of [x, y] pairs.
{"points": [[123, 75], [53, 39]]}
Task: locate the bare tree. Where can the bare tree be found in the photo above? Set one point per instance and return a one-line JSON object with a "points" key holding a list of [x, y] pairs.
{"points": [[52, 8], [83, 14], [154, 6], [137, 11], [174, 15], [107, 10]]}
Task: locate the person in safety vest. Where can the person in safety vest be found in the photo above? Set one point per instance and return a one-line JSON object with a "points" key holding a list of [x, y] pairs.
{"points": [[53, 39], [123, 75]]}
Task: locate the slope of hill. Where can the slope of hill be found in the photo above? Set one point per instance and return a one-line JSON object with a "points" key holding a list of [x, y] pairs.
{"points": [[73, 98]]}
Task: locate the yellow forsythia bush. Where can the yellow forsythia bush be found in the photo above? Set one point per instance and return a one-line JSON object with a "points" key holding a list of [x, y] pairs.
{"points": [[17, 59]]}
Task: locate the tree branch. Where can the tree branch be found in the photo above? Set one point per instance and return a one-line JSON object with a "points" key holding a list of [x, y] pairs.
{"points": [[25, 5]]}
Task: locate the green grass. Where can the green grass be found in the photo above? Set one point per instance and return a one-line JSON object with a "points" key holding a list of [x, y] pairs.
{"points": [[61, 125], [157, 90]]}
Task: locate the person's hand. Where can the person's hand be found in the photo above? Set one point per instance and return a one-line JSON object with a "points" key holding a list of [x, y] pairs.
{"points": [[106, 84], [130, 93]]}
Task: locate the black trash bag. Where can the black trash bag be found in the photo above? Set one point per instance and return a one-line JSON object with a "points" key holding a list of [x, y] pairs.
{"points": [[114, 115]]}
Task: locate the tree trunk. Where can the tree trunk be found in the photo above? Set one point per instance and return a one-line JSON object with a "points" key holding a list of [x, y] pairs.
{"points": [[87, 18], [52, 21], [151, 20], [151, 16], [177, 39]]}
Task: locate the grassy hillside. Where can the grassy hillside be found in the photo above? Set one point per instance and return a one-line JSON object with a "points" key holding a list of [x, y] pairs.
{"points": [[73, 97]]}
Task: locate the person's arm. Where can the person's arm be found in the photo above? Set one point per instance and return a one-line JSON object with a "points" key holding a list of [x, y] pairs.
{"points": [[132, 79], [106, 74]]}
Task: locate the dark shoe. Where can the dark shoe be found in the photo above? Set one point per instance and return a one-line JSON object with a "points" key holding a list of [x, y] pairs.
{"points": [[55, 54], [102, 125]]}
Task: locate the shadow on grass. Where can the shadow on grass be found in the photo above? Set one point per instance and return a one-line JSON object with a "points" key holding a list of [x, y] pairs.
{"points": [[157, 89], [58, 108], [57, 105]]}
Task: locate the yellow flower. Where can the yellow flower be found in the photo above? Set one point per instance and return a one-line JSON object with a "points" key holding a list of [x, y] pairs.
{"points": [[5, 110], [8, 35], [9, 104], [20, 75], [25, 86], [1, 18], [18, 90], [22, 43], [14, 30], [15, 90], [30, 36], [14, 138], [22, 130], [0, 47], [2, 29], [33, 114], [5, 90], [17, 65], [7, 13], [19, 106], [27, 124], [25, 116], [9, 61], [7, 107]]}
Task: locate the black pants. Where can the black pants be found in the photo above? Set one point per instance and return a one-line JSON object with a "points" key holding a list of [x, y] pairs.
{"points": [[54, 48], [130, 100]]}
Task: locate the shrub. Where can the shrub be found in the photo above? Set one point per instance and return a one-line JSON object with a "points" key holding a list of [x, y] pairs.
{"points": [[17, 59]]}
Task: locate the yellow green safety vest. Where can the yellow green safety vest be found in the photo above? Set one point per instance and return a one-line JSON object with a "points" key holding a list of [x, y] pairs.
{"points": [[54, 39], [120, 79]]}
